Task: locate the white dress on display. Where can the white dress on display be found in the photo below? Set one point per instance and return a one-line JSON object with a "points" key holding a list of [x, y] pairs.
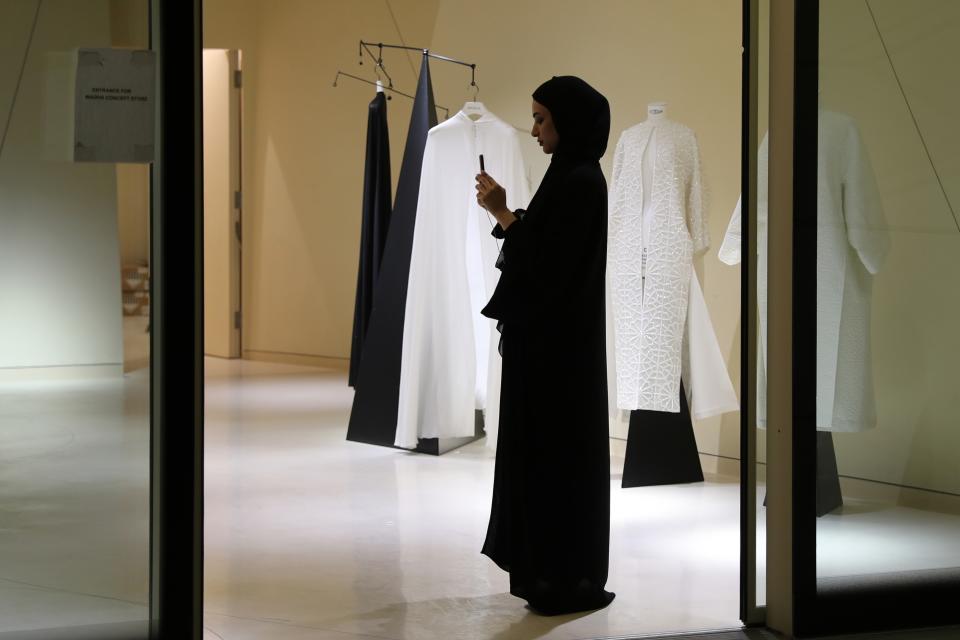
{"points": [[662, 331], [852, 242], [450, 366]]}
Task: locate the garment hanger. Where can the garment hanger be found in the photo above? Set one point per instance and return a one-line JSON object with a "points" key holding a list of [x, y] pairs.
{"points": [[474, 109]]}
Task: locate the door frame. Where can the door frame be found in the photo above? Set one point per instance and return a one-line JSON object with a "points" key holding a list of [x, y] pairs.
{"points": [[176, 316], [870, 603], [751, 614], [176, 595], [795, 604]]}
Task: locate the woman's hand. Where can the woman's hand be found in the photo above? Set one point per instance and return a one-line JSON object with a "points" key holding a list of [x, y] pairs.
{"points": [[492, 197]]}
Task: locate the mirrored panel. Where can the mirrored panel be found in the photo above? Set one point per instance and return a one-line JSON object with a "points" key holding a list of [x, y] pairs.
{"points": [[888, 263], [74, 331]]}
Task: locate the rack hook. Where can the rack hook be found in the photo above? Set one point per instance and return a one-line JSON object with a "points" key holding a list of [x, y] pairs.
{"points": [[473, 81]]}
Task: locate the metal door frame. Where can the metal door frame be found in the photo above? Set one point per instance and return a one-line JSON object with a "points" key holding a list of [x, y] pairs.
{"points": [[176, 341]]}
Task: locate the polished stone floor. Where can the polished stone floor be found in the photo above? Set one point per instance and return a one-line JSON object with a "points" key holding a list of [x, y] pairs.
{"points": [[311, 537]]}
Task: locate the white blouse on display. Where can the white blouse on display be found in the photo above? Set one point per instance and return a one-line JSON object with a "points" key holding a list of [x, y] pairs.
{"points": [[450, 366]]}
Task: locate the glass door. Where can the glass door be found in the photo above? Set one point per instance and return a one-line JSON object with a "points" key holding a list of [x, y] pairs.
{"points": [[100, 370], [877, 495], [74, 319]]}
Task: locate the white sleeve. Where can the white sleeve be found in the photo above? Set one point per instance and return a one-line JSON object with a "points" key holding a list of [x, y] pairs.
{"points": [[866, 224]]}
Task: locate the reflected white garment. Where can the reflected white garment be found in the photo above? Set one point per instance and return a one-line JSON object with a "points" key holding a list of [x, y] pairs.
{"points": [[852, 242], [450, 366], [656, 206]]}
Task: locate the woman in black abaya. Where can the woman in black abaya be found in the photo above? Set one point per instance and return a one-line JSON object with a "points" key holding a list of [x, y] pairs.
{"points": [[550, 520]]}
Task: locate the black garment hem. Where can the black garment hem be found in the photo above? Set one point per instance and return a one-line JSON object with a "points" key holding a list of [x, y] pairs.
{"points": [[558, 604], [600, 601]]}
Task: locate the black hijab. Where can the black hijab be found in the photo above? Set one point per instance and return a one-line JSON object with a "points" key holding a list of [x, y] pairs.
{"points": [[581, 116]]}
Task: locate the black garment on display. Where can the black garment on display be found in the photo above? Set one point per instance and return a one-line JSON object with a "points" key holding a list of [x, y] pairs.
{"points": [[373, 227], [550, 518], [373, 418], [661, 448]]}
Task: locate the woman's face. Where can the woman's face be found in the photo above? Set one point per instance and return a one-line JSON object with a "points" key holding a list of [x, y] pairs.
{"points": [[543, 129]]}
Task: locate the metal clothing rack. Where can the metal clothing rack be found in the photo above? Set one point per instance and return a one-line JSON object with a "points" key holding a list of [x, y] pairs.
{"points": [[385, 88], [378, 60], [365, 46]]}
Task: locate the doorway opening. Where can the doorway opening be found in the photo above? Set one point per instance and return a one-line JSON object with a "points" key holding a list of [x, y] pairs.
{"points": [[222, 203], [306, 528]]}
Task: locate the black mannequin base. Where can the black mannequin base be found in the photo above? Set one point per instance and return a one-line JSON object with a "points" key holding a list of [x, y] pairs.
{"points": [[439, 446], [661, 448], [829, 498]]}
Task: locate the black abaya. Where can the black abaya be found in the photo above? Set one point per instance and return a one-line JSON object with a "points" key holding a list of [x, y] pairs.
{"points": [[373, 228], [550, 519]]}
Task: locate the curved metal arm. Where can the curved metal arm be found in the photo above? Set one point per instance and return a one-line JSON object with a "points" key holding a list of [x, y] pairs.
{"points": [[422, 50], [390, 89]]}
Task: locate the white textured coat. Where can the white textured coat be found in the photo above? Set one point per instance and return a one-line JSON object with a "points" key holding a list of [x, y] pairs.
{"points": [[650, 308], [450, 366]]}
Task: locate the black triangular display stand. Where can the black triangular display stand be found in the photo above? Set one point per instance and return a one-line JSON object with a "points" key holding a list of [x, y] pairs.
{"points": [[661, 448], [373, 419], [438, 446], [829, 497]]}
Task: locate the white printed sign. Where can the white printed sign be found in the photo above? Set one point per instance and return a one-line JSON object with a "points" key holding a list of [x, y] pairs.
{"points": [[114, 106]]}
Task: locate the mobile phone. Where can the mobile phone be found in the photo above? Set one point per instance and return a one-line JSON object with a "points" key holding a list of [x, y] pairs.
{"points": [[481, 162]]}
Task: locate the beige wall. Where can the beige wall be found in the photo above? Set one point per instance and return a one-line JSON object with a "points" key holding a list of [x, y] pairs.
{"points": [[916, 305], [304, 139], [303, 158], [129, 30], [684, 52], [59, 259], [133, 212]]}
